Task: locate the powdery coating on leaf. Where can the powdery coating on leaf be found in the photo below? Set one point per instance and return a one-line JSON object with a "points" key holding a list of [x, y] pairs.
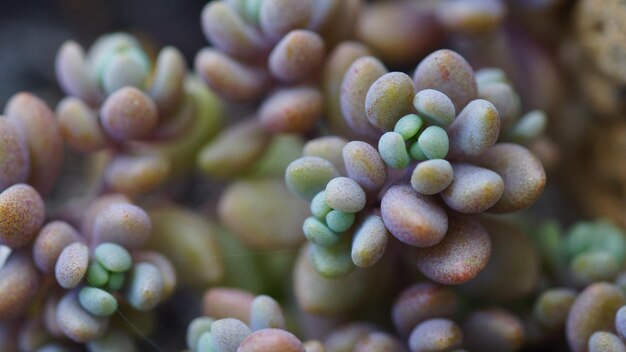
{"points": [[271, 340], [294, 110], [309, 175], [318, 232], [435, 106], [228, 334], [22, 213], [97, 275], [602, 341], [76, 323], [448, 72], [435, 335], [297, 56], [329, 148], [379, 341], [593, 310], [392, 149], [336, 65], [50, 242], [344, 194], [231, 79], [79, 125], [97, 301], [473, 189], [265, 313], [250, 210], [432, 176], [523, 175], [14, 156], [475, 129], [421, 302], [72, 265], [40, 129], [408, 126], [229, 33], [460, 256], [412, 218], [197, 328], [504, 98], [354, 88], [339, 221], [128, 114], [369, 242], [125, 224], [113, 257], [235, 149], [493, 330], [388, 99], [222, 302], [433, 142], [19, 284], [279, 17], [145, 287], [166, 270], [365, 166]]}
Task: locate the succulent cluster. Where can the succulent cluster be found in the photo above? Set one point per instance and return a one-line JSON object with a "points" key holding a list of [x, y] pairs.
{"points": [[277, 46], [461, 160], [331, 176], [150, 117], [94, 272]]}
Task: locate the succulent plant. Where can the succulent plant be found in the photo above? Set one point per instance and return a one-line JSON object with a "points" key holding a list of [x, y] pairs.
{"points": [[331, 176], [457, 156]]}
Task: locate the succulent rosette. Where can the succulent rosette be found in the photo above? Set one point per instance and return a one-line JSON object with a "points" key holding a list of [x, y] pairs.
{"points": [[79, 279], [453, 128], [149, 115]]}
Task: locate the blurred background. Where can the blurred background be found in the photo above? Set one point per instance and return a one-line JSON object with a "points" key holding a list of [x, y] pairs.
{"points": [[32, 31]]}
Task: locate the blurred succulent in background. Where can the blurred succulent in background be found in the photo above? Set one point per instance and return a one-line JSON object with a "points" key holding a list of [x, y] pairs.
{"points": [[239, 320], [151, 118], [273, 46]]}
